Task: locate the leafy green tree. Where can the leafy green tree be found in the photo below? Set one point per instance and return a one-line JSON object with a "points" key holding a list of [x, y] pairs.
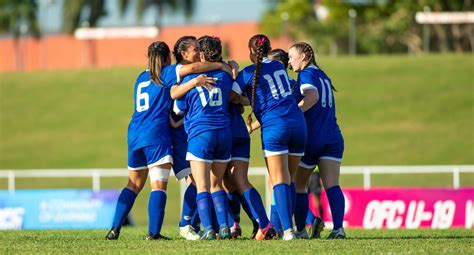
{"points": [[383, 26], [73, 10], [142, 5], [19, 17]]}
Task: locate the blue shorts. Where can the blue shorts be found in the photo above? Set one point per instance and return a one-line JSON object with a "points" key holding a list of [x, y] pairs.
{"points": [[181, 166], [149, 156], [210, 146], [314, 152], [240, 149], [276, 141]]}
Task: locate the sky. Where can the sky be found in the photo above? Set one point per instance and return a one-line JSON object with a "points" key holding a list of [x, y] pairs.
{"points": [[206, 11]]}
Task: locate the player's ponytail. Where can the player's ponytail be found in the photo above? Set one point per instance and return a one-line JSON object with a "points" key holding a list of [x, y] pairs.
{"points": [[260, 44], [305, 48], [158, 54], [211, 46]]}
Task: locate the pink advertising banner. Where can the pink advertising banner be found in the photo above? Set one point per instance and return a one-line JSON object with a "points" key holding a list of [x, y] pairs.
{"points": [[410, 208]]}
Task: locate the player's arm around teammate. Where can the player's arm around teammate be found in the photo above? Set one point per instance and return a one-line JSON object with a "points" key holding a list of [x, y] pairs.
{"points": [[325, 142], [149, 145], [207, 125]]}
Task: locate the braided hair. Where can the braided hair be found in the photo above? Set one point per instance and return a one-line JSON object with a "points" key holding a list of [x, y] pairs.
{"points": [[181, 45], [305, 48], [260, 44], [158, 54], [211, 46], [279, 55]]}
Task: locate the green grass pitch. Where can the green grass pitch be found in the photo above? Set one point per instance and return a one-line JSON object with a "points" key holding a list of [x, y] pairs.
{"points": [[450, 241], [393, 110]]}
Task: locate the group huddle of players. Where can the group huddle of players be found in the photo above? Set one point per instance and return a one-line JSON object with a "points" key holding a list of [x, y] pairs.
{"points": [[188, 117]]}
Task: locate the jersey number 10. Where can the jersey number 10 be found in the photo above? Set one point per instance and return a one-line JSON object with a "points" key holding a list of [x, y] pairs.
{"points": [[215, 97], [277, 76]]}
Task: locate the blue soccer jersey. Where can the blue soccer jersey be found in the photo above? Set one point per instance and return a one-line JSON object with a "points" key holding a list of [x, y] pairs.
{"points": [[206, 110], [237, 124], [150, 120], [321, 118], [274, 105]]}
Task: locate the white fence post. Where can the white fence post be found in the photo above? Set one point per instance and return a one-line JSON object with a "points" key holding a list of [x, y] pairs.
{"points": [[366, 178], [456, 178], [11, 182], [95, 181]]}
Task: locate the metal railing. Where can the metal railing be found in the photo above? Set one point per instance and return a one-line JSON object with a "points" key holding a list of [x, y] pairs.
{"points": [[366, 171]]}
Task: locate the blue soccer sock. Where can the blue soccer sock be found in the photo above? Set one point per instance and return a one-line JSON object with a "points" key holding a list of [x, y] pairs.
{"points": [[189, 205], [255, 201], [274, 218], [336, 202], [310, 217], [246, 208], [204, 206], [196, 221], [301, 210], [221, 205], [215, 223], [234, 204], [283, 203], [293, 197], [124, 205], [156, 211]]}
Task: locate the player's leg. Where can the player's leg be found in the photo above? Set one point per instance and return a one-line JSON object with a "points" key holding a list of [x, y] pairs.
{"points": [[302, 206], [233, 196], [137, 175], [277, 166], [159, 175], [299, 177], [182, 170], [252, 198], [199, 154], [201, 174], [315, 221], [329, 168], [219, 198]]}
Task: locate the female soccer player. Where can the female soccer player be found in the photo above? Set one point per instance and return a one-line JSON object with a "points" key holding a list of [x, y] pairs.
{"points": [[149, 143], [325, 142], [186, 51], [283, 126], [316, 223], [209, 139]]}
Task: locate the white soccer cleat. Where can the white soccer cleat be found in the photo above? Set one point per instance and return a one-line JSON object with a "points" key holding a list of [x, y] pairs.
{"points": [[303, 234], [188, 233], [288, 235]]}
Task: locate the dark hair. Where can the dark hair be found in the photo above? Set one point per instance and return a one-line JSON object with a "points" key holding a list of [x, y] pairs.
{"points": [[158, 54], [181, 45], [211, 47], [279, 55], [260, 44], [305, 48]]}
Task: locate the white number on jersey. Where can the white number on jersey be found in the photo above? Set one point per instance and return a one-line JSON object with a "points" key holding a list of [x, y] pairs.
{"points": [[277, 76], [215, 97], [143, 97], [326, 84]]}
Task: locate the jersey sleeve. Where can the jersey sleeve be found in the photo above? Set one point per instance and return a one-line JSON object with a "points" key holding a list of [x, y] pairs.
{"points": [[308, 81], [168, 76], [240, 84], [180, 106]]}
